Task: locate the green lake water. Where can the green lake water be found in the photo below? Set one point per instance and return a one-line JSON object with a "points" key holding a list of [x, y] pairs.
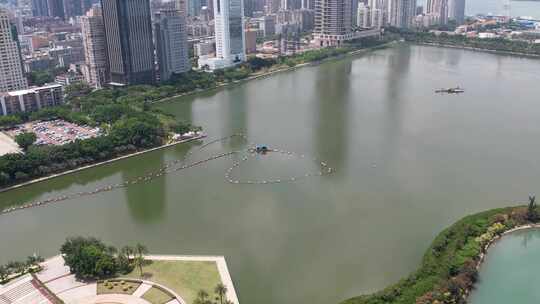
{"points": [[409, 163], [510, 272]]}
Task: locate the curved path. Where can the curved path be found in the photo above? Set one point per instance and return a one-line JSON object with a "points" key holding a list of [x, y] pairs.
{"points": [[112, 299]]}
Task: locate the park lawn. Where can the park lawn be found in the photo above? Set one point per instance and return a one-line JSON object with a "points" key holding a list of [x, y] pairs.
{"points": [[156, 296], [117, 287], [185, 278]]}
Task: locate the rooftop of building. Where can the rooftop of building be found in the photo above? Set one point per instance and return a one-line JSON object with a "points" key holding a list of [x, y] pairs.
{"points": [[32, 89]]}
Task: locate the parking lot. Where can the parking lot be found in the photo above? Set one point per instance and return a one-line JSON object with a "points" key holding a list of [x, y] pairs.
{"points": [[55, 132]]}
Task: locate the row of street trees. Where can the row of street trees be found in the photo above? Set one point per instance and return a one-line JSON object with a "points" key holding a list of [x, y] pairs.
{"points": [[494, 44], [16, 268], [219, 297]]}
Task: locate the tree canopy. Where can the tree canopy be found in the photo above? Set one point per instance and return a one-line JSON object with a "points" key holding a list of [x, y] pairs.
{"points": [[25, 140], [90, 258]]}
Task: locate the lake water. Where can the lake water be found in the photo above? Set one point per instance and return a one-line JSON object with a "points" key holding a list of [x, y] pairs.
{"points": [[510, 271], [409, 163]]}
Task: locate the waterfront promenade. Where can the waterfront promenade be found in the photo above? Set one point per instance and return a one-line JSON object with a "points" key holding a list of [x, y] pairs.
{"points": [[58, 279]]}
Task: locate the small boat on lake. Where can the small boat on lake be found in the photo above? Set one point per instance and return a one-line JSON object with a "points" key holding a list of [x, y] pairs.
{"points": [[455, 90]]}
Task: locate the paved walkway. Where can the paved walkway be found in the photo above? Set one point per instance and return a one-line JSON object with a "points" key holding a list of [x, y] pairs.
{"points": [[22, 290], [111, 299], [144, 287], [8, 145], [53, 268]]}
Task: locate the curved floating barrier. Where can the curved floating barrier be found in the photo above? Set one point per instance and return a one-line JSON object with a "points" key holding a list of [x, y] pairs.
{"points": [[171, 167]]}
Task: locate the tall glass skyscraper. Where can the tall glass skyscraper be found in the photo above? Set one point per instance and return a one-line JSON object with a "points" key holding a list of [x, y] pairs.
{"points": [[128, 29]]}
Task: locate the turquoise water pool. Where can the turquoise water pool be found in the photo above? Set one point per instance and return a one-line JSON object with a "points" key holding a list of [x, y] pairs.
{"points": [[511, 271]]}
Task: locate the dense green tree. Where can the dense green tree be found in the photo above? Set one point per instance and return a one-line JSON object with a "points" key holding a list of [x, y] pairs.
{"points": [[9, 121], [202, 297], [532, 211], [25, 140], [40, 78], [16, 267], [4, 273], [33, 260], [88, 257], [221, 291], [139, 259], [4, 178]]}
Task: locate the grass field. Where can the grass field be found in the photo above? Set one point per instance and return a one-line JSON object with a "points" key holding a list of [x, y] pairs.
{"points": [[185, 278], [117, 287], [156, 296]]}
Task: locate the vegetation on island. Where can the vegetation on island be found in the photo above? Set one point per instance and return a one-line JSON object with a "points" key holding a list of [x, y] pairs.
{"points": [[90, 258], [493, 44], [15, 269], [128, 122], [449, 267]]}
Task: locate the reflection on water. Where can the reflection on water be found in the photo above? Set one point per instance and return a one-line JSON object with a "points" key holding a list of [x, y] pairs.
{"points": [[233, 105], [331, 129], [146, 201]]}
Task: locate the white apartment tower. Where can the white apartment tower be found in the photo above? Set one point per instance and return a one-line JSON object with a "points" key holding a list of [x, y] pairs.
{"points": [[95, 48], [363, 15], [229, 33], [11, 70]]}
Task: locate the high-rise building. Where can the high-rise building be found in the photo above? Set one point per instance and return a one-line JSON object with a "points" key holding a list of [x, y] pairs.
{"points": [[56, 8], [40, 8], [354, 12], [128, 29], [272, 6], [194, 7], [229, 33], [401, 13], [438, 9], [268, 25], [376, 18], [456, 11], [308, 4], [11, 68], [363, 15], [95, 48], [382, 6], [333, 21], [74, 8], [171, 43]]}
